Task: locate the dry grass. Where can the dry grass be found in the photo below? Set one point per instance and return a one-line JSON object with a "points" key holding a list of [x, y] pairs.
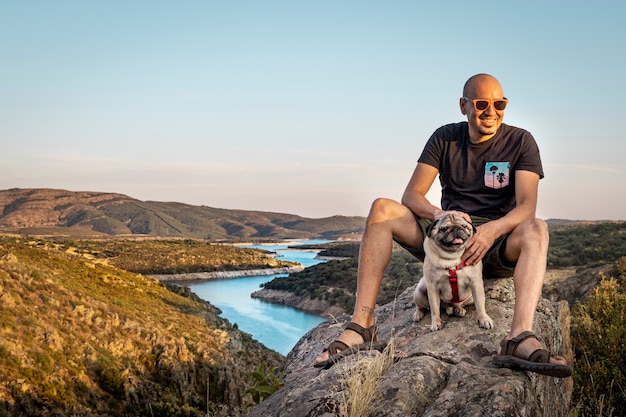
{"points": [[362, 379], [80, 335]]}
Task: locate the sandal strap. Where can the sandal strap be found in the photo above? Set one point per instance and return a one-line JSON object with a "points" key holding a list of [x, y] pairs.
{"points": [[336, 347], [368, 334], [508, 347], [540, 356]]}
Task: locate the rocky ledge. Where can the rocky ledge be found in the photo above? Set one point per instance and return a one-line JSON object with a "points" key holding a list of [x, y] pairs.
{"points": [[442, 373]]}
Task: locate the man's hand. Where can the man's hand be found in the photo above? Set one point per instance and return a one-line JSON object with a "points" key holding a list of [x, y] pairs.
{"points": [[442, 213], [479, 244]]}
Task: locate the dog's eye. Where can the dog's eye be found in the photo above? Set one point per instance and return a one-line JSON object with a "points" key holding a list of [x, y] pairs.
{"points": [[443, 228]]}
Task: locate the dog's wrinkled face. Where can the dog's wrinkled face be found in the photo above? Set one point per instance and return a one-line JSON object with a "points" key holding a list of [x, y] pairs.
{"points": [[451, 232]]}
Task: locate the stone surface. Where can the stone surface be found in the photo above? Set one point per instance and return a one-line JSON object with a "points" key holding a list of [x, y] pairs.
{"points": [[577, 285], [443, 373]]}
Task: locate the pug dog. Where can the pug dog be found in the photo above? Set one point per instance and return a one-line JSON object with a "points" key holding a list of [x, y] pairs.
{"points": [[444, 243]]}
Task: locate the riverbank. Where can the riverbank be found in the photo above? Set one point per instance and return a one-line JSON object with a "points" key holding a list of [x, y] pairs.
{"points": [[304, 302], [206, 276]]}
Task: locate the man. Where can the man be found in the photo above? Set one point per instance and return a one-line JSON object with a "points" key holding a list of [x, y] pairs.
{"points": [[489, 171]]}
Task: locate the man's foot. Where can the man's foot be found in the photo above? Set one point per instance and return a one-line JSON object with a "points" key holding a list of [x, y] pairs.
{"points": [[354, 339], [525, 353]]}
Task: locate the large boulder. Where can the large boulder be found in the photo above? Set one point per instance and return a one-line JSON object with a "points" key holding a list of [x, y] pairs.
{"points": [[423, 373]]}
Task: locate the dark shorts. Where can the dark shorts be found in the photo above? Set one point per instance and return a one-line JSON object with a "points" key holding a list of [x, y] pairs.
{"points": [[494, 264]]}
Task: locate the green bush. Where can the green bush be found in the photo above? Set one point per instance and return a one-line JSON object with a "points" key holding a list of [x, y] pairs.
{"points": [[110, 378], [599, 331], [266, 382]]}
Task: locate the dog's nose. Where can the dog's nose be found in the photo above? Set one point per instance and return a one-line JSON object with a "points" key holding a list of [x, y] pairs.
{"points": [[459, 232]]}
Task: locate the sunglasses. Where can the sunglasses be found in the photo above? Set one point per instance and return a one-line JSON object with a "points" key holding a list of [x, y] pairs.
{"points": [[481, 104]]}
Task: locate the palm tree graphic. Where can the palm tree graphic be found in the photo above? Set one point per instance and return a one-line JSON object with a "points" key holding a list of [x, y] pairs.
{"points": [[501, 177], [493, 170]]}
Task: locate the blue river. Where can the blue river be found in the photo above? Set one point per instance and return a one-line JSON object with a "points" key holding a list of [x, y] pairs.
{"points": [[276, 326]]}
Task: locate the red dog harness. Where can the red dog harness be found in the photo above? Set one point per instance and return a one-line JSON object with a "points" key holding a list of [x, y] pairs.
{"points": [[454, 285]]}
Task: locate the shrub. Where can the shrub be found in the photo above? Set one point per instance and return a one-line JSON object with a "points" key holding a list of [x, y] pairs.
{"points": [[267, 381], [109, 377], [599, 330]]}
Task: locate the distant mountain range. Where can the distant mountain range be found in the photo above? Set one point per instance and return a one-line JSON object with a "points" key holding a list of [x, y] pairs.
{"points": [[55, 212]]}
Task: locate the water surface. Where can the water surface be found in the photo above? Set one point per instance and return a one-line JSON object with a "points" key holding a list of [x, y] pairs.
{"points": [[276, 326]]}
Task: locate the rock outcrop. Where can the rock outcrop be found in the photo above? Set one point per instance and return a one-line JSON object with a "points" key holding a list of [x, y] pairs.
{"points": [[575, 287], [443, 373]]}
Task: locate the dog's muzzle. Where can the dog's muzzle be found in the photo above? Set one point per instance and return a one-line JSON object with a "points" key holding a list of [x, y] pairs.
{"points": [[454, 237]]}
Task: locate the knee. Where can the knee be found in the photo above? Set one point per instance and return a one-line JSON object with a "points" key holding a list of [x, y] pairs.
{"points": [[382, 209], [535, 231]]}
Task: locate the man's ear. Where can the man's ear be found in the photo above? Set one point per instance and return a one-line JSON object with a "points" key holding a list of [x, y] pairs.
{"points": [[462, 105]]}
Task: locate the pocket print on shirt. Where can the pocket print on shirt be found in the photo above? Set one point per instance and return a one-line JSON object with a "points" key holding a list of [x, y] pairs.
{"points": [[497, 174]]}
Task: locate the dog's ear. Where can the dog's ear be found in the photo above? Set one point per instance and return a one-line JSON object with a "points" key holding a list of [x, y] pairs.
{"points": [[430, 227], [473, 227]]}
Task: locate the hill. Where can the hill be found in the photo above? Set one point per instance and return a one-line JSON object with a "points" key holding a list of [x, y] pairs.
{"points": [[79, 337], [94, 214]]}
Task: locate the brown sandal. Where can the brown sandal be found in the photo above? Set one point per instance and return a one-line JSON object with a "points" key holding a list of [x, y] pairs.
{"points": [[538, 361], [338, 349]]}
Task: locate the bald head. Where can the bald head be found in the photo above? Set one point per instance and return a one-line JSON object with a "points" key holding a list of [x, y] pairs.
{"points": [[473, 84]]}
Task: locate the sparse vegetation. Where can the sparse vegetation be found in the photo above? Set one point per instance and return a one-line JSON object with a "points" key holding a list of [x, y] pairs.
{"points": [[586, 246], [79, 337], [599, 331], [156, 256]]}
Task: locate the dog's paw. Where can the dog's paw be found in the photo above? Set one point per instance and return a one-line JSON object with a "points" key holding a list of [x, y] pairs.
{"points": [[419, 314], [485, 322], [436, 325], [459, 311]]}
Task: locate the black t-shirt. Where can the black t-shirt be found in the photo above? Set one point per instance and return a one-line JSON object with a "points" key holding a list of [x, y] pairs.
{"points": [[479, 179]]}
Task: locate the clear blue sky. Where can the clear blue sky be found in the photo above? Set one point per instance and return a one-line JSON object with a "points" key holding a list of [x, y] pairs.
{"points": [[312, 108]]}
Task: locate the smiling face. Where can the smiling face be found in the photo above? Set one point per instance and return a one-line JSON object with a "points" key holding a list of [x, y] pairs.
{"points": [[484, 124]]}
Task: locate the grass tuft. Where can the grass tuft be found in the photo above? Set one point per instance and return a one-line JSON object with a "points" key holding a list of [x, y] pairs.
{"points": [[362, 380]]}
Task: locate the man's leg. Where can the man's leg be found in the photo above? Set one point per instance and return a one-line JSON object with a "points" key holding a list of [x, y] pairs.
{"points": [[387, 220], [528, 244]]}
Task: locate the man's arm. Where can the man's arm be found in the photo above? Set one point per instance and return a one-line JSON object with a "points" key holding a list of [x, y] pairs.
{"points": [[414, 196], [526, 189]]}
